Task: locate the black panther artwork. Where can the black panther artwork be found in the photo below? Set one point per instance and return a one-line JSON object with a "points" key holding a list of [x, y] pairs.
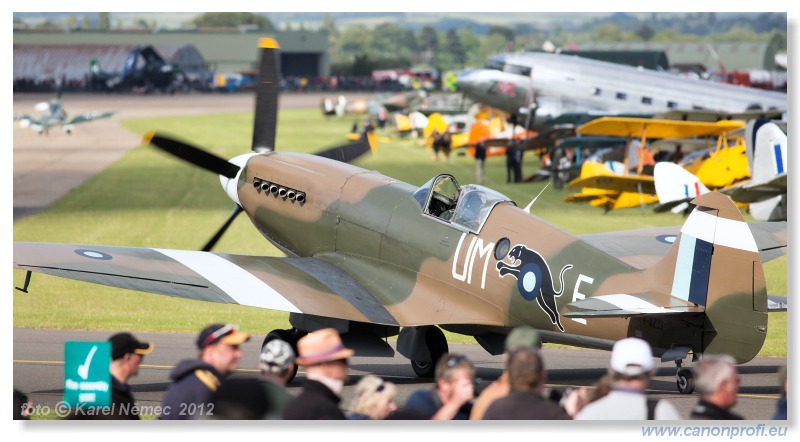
{"points": [[534, 280]]}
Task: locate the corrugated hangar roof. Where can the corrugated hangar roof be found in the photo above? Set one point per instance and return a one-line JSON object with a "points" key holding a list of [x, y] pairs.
{"points": [[223, 51]]}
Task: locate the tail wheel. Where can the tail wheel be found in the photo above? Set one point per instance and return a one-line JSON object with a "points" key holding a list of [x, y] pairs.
{"points": [[685, 381], [437, 344], [291, 337]]}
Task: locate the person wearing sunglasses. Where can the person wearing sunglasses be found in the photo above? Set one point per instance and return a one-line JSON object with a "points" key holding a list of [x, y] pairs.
{"points": [[374, 399], [195, 380], [451, 397]]}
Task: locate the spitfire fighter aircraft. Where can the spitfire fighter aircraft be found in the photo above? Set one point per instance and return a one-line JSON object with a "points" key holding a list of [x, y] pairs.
{"points": [[374, 257], [55, 115]]}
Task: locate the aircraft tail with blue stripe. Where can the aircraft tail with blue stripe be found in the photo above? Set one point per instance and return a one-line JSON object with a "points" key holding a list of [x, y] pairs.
{"points": [[707, 294], [715, 265]]}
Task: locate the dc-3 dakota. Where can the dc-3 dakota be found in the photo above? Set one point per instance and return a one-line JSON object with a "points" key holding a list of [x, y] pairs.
{"points": [[374, 258]]}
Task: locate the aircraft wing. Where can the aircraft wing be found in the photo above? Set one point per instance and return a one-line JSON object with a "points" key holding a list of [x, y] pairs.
{"points": [[753, 193], [26, 120], [91, 116], [644, 247], [620, 183], [713, 116], [654, 128], [331, 285], [303, 285]]}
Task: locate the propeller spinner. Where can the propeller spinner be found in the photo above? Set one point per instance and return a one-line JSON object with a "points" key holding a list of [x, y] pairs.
{"points": [[264, 129]]}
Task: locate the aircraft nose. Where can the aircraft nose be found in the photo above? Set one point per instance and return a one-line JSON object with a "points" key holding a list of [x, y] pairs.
{"points": [[466, 80], [230, 184]]}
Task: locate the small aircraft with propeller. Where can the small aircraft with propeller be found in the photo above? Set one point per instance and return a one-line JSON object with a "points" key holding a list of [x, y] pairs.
{"points": [[374, 258], [54, 115]]}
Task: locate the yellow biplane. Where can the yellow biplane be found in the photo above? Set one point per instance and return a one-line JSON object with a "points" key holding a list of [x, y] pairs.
{"points": [[724, 164]]}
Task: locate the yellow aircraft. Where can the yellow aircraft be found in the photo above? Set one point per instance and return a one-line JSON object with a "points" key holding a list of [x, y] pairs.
{"points": [[722, 162]]}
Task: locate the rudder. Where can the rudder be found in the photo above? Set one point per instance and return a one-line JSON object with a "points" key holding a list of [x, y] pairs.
{"points": [[718, 266]]}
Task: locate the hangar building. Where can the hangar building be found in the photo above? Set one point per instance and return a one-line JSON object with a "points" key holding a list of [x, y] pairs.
{"points": [[44, 54]]}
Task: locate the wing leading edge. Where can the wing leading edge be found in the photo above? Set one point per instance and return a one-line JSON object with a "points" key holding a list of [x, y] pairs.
{"points": [[300, 285]]}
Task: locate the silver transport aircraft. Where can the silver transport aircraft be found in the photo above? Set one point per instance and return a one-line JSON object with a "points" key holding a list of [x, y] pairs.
{"points": [[537, 87]]}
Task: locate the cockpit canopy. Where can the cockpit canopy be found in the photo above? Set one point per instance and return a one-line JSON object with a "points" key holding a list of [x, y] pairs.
{"points": [[466, 206], [499, 63]]}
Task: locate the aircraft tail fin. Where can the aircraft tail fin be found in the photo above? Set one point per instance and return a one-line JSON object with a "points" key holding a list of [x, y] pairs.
{"points": [[715, 264], [766, 148], [766, 153], [675, 187]]}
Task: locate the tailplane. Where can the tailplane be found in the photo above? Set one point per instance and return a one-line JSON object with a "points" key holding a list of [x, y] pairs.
{"points": [[706, 295]]}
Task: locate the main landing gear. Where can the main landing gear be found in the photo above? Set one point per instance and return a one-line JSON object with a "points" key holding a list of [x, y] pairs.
{"points": [[437, 344]]}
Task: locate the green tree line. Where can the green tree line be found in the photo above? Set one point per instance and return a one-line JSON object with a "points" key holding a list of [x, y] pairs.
{"points": [[359, 49]]}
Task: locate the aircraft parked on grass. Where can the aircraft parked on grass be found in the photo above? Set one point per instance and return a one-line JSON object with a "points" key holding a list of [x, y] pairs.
{"points": [[606, 189], [765, 191], [375, 257]]}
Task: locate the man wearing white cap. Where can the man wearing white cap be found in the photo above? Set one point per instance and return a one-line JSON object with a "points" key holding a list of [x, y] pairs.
{"points": [[630, 368], [324, 357]]}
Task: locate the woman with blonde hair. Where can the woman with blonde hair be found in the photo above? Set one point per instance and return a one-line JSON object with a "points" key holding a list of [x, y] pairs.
{"points": [[374, 399]]}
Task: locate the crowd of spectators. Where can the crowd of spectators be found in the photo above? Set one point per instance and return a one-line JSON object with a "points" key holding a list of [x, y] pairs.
{"points": [[204, 389]]}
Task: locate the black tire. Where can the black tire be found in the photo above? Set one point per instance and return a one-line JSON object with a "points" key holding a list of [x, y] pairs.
{"points": [[436, 342], [685, 381], [291, 337]]}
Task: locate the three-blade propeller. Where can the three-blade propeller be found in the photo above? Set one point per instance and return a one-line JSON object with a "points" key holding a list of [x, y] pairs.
{"points": [[264, 129], [194, 155]]}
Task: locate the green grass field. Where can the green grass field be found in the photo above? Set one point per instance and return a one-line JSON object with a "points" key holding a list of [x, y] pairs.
{"points": [[151, 199]]}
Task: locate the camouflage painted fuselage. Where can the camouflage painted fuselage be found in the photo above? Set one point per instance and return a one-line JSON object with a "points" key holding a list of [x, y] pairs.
{"points": [[426, 270]]}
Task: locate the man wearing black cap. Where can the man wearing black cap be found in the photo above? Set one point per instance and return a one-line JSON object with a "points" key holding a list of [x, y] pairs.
{"points": [[126, 354], [195, 380]]}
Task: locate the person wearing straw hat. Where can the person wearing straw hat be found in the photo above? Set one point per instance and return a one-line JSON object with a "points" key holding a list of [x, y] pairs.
{"points": [[324, 358]]}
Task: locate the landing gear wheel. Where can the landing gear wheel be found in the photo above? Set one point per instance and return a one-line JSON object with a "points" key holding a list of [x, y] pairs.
{"points": [[436, 342], [290, 336], [685, 381]]}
